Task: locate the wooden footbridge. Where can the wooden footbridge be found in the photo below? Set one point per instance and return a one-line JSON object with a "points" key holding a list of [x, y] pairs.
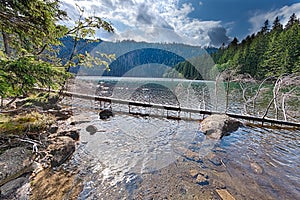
{"points": [[178, 109]]}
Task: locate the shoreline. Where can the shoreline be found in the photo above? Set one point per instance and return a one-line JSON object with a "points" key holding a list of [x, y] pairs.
{"points": [[32, 160]]}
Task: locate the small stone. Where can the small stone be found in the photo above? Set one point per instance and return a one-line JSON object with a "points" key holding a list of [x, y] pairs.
{"points": [[182, 191], [202, 180], [194, 173], [53, 129]]}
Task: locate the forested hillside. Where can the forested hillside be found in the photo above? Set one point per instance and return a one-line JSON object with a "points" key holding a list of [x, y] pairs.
{"points": [[273, 51], [131, 54]]}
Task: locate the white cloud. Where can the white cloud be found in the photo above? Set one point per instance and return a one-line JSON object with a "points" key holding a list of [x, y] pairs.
{"points": [[283, 13], [200, 3], [147, 20]]}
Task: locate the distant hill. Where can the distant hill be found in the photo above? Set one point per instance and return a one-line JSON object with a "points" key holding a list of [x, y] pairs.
{"points": [[141, 59]]}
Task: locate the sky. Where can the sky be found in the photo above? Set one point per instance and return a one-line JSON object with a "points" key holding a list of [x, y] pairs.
{"points": [[193, 22]]}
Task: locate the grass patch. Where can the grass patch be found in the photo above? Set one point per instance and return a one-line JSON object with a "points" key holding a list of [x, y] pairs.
{"points": [[25, 123]]}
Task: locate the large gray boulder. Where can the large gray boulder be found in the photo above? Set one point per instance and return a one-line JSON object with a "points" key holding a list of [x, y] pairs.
{"points": [[15, 166], [217, 126]]}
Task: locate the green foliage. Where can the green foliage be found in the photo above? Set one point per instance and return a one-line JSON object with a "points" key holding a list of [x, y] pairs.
{"points": [[268, 53], [85, 27], [101, 59], [19, 76], [30, 26], [30, 34]]}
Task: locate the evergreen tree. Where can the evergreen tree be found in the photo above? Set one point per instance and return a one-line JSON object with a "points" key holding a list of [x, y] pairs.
{"points": [[234, 42], [273, 59], [30, 26], [292, 47], [293, 20], [265, 28], [277, 26], [267, 53]]}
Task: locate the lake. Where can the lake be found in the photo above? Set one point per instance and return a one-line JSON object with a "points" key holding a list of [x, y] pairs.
{"points": [[135, 157]]}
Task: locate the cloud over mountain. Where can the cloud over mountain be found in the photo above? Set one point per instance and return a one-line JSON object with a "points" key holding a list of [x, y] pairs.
{"points": [[151, 21]]}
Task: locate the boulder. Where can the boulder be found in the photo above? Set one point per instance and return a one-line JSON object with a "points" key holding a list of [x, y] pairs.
{"points": [[217, 126], [61, 149], [8, 190], [15, 162], [15, 167]]}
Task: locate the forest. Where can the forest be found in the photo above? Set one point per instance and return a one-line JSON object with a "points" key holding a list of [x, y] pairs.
{"points": [[273, 51]]}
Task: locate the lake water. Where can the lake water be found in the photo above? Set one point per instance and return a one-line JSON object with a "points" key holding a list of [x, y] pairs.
{"points": [[134, 157]]}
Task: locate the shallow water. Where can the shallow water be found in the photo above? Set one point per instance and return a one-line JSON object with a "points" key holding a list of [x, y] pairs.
{"points": [[134, 157], [142, 158]]}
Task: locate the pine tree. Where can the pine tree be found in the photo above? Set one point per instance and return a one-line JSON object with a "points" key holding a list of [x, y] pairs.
{"points": [[277, 26], [265, 28], [293, 20]]}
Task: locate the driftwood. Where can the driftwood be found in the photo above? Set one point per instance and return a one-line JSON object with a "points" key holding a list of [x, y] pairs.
{"points": [[274, 99]]}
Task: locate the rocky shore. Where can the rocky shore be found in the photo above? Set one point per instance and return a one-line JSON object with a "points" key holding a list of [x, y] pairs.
{"points": [[31, 160]]}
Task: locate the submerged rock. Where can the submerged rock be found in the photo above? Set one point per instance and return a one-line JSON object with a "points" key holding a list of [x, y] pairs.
{"points": [[217, 126], [256, 168], [91, 129], [200, 178], [214, 159]]}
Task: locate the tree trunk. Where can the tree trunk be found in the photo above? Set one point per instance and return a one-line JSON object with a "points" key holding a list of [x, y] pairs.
{"points": [[5, 41]]}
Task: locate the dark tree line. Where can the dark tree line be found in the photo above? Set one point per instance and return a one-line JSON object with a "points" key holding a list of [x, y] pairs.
{"points": [[273, 51]]}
